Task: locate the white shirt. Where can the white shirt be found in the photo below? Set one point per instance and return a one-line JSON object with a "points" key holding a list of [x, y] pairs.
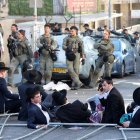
{"points": [[104, 95], [135, 110], [45, 113]]}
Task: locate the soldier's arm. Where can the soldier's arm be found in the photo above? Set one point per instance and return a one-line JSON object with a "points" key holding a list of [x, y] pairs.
{"points": [[53, 44], [96, 45], [39, 44], [82, 48], [64, 46], [106, 47], [29, 47]]}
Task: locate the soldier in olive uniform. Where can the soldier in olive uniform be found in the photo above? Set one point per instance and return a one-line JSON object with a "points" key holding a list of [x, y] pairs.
{"points": [[22, 51], [74, 49], [105, 57], [12, 39], [46, 43]]}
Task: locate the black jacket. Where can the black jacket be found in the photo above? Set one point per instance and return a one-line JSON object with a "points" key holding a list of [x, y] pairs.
{"points": [[114, 107], [35, 116], [5, 94], [75, 112], [22, 89], [135, 121]]}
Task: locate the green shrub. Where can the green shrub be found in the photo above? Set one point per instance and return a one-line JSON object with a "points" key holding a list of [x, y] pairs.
{"points": [[21, 7]]}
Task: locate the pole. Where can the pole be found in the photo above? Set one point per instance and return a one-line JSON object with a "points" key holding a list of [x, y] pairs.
{"points": [[109, 14], [35, 10], [80, 20]]}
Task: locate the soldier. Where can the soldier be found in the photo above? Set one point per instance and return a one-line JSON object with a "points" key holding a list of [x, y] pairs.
{"points": [[105, 57], [46, 43], [74, 49], [11, 39], [22, 51]]}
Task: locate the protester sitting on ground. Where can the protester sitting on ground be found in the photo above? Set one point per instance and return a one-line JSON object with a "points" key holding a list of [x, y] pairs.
{"points": [[53, 101], [113, 102], [75, 112], [134, 121], [8, 101], [37, 117], [33, 77]]}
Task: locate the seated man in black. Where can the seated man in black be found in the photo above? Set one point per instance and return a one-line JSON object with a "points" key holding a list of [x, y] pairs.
{"points": [[135, 118], [75, 112], [32, 77], [113, 102], [8, 101], [37, 117]]}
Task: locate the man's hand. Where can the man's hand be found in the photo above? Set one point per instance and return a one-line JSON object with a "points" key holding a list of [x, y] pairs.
{"points": [[126, 124]]}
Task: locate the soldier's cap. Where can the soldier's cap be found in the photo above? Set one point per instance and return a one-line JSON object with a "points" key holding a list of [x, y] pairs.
{"points": [[136, 33], [3, 67], [86, 25]]}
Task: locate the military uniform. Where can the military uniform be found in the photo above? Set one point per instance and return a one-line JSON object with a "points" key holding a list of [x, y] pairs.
{"points": [[75, 44], [21, 52], [105, 57], [11, 42], [46, 63]]}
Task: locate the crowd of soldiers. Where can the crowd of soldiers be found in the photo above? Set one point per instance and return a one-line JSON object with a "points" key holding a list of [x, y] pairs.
{"points": [[20, 50]]}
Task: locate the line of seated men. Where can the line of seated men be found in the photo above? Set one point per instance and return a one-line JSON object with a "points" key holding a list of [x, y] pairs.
{"points": [[55, 107]]}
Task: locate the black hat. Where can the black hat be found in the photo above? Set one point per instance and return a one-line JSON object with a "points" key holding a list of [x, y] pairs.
{"points": [[86, 25], [3, 67], [59, 96], [33, 76], [136, 96], [70, 55], [136, 33], [80, 106]]}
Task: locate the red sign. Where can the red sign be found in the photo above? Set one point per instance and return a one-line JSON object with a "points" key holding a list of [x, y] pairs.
{"points": [[86, 5]]}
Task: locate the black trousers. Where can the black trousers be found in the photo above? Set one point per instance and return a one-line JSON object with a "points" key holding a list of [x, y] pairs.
{"points": [[12, 106]]}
